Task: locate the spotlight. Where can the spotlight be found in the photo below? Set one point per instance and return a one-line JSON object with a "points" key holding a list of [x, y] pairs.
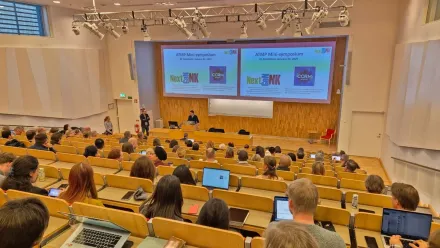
{"points": [[94, 29], [125, 28], [110, 29], [144, 30], [181, 25], [76, 28], [344, 17], [201, 22], [243, 34], [288, 16], [298, 29], [261, 22], [317, 18]]}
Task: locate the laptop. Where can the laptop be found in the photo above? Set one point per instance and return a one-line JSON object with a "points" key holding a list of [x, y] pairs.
{"points": [[410, 226], [312, 156], [93, 232], [215, 178], [281, 209]]}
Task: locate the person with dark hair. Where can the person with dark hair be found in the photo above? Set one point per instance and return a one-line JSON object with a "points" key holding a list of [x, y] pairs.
{"points": [[277, 150], [116, 153], [108, 126], [192, 117], [99, 143], [229, 152], [53, 130], [23, 222], [156, 142], [87, 134], [185, 137], [270, 172], [6, 160], [351, 166], [271, 150], [30, 135], [374, 184], [300, 154], [41, 143], [7, 134], [260, 151], [160, 155], [243, 157], [246, 147], [215, 213], [404, 196], [184, 174], [128, 148], [188, 143], [344, 159], [127, 136], [65, 129], [166, 200], [82, 186], [55, 139], [145, 121], [292, 156], [195, 146], [91, 151], [318, 168], [24, 172], [230, 144], [143, 167], [173, 143]]}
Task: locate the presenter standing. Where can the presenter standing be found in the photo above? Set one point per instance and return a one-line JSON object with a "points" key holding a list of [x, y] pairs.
{"points": [[192, 117], [145, 122]]}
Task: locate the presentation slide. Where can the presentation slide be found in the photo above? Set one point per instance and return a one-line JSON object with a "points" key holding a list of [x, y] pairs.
{"points": [[300, 74], [205, 71]]}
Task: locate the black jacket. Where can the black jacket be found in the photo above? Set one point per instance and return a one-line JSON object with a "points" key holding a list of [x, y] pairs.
{"points": [[42, 148], [145, 120], [15, 143], [194, 118]]}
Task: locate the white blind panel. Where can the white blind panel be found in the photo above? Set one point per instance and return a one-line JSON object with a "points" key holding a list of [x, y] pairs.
{"points": [[245, 108]]}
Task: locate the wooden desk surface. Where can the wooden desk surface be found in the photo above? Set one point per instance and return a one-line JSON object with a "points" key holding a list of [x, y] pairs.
{"points": [[54, 225], [260, 192], [360, 238], [46, 183], [151, 242], [59, 240], [188, 203], [329, 203], [60, 164], [45, 161], [124, 173], [258, 219], [344, 233], [115, 195], [337, 204]]}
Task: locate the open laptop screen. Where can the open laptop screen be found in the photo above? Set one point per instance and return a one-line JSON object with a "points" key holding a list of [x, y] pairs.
{"points": [[281, 208], [409, 225], [215, 178]]}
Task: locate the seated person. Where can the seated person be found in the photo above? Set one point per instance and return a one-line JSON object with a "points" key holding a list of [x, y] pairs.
{"points": [[41, 130], [256, 158], [374, 184], [210, 155], [128, 148], [318, 168], [351, 166], [41, 143], [344, 159], [7, 134], [188, 143], [404, 197], [303, 201], [55, 139], [229, 152], [184, 174], [143, 167], [82, 186], [285, 162], [300, 154], [99, 143], [319, 157], [181, 152], [86, 134], [292, 156], [209, 144], [243, 157], [166, 200], [18, 130], [277, 150], [127, 136], [271, 151], [260, 151], [30, 135], [175, 148], [283, 234], [173, 143], [433, 242], [270, 172], [195, 146], [134, 142], [215, 213], [116, 153], [156, 142], [24, 172], [230, 144], [185, 137], [246, 147], [23, 222], [222, 147], [6, 160], [140, 138], [91, 151]]}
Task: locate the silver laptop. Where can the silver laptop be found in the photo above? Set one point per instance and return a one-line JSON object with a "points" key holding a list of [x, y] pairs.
{"points": [[410, 226], [93, 232]]}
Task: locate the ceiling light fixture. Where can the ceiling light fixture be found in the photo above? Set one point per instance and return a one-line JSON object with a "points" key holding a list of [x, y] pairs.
{"points": [[201, 22], [297, 32], [94, 29], [56, 2], [181, 25], [317, 18], [261, 22], [288, 16], [243, 34], [144, 30], [111, 29], [76, 28], [125, 28], [344, 17], [117, 4]]}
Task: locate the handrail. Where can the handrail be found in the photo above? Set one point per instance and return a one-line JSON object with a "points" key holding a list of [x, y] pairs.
{"points": [[418, 165]]}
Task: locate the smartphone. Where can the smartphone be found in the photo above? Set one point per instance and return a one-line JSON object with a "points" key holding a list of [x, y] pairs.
{"points": [[371, 242], [63, 186], [328, 225], [336, 158], [366, 211], [53, 192], [127, 196]]}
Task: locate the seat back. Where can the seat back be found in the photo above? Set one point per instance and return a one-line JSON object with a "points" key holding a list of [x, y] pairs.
{"points": [[195, 192], [50, 171], [257, 242], [240, 169], [264, 184], [65, 149], [233, 179], [329, 193], [131, 183], [364, 198], [17, 151], [243, 200], [367, 221], [335, 215], [224, 161], [320, 180], [133, 222], [42, 154], [196, 235], [177, 161], [126, 165], [294, 169], [287, 175], [352, 184], [104, 162], [98, 178], [195, 164], [259, 165], [353, 176], [3, 199], [70, 158], [135, 156]]}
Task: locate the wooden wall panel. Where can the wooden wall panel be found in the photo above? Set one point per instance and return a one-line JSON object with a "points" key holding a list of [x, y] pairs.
{"points": [[290, 119]]}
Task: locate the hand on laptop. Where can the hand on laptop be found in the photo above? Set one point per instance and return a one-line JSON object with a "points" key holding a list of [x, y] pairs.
{"points": [[419, 244], [395, 240]]}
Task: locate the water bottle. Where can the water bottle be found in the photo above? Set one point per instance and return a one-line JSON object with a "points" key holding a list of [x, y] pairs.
{"points": [[41, 175], [355, 201]]}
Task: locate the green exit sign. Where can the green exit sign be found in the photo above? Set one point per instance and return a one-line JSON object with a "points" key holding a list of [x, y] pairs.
{"points": [[122, 95]]}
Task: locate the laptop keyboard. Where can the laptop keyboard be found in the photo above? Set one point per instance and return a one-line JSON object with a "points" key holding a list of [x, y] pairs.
{"points": [[96, 238], [405, 243]]}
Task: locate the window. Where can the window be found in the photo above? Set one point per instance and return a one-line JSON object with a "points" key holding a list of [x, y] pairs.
{"points": [[433, 11], [20, 18]]}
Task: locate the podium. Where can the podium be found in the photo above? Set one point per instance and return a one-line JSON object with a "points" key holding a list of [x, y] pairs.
{"points": [[189, 128]]}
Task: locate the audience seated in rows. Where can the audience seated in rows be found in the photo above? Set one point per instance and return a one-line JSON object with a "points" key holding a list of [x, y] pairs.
{"points": [[277, 150], [230, 144], [292, 156], [404, 197], [344, 159], [271, 151], [128, 148], [256, 158], [173, 143], [175, 148], [159, 156], [6, 160], [41, 143], [319, 156], [184, 174], [222, 147], [156, 142], [185, 137], [285, 162], [30, 135], [210, 155], [134, 142], [91, 151], [246, 147], [143, 167], [23, 222], [41, 130], [166, 200], [53, 130], [260, 151], [19, 130], [99, 143], [195, 146], [188, 143], [24, 172], [181, 152], [318, 168], [351, 166], [215, 214], [55, 139], [7, 134], [300, 154], [303, 201], [285, 233], [243, 157], [82, 186], [209, 144], [229, 152], [270, 172], [127, 135], [116, 154], [374, 184]]}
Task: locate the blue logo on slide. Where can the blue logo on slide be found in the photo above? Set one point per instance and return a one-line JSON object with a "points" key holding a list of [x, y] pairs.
{"points": [[304, 76], [217, 74]]}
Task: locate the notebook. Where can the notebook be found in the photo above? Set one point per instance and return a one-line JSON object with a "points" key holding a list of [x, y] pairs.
{"points": [[237, 216], [215, 178]]}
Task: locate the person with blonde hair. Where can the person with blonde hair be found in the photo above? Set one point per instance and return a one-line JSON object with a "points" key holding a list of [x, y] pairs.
{"points": [[288, 234], [134, 142], [318, 168], [209, 144], [181, 152], [229, 152], [270, 172], [256, 158], [210, 155], [222, 146]]}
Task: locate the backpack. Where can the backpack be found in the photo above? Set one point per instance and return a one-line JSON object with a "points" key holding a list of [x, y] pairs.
{"points": [[15, 143]]}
